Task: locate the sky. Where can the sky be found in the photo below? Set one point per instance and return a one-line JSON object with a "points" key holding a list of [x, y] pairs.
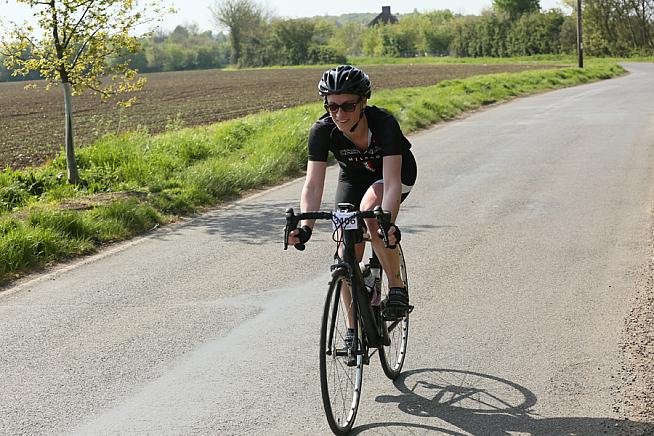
{"points": [[196, 11]]}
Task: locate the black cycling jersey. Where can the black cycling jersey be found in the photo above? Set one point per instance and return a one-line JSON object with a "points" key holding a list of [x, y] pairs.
{"points": [[361, 168]]}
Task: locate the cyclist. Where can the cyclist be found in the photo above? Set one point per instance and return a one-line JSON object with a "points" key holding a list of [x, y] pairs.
{"points": [[376, 167]]}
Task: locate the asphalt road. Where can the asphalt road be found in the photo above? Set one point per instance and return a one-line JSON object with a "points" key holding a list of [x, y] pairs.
{"points": [[528, 242]]}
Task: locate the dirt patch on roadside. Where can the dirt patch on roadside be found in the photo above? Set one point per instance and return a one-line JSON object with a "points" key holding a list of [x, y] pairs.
{"points": [[635, 399]]}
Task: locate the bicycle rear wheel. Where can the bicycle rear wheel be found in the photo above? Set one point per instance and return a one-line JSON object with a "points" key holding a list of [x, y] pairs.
{"points": [[392, 355], [341, 371]]}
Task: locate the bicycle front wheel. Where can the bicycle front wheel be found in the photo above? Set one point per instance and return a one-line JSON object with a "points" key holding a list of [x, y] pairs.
{"points": [[392, 355], [341, 366]]}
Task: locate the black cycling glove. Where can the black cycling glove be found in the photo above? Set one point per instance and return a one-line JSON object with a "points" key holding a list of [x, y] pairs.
{"points": [[304, 234], [398, 234]]}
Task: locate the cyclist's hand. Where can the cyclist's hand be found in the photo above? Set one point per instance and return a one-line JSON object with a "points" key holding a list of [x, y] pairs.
{"points": [[299, 236], [394, 235]]}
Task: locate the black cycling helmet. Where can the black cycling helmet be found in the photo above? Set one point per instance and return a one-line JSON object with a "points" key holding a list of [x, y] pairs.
{"points": [[344, 79]]}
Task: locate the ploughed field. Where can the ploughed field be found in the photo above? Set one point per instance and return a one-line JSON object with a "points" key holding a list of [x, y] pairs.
{"points": [[32, 121]]}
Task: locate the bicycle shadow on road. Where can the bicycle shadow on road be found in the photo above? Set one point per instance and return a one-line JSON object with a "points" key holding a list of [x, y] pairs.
{"points": [[482, 404], [248, 223], [258, 223]]}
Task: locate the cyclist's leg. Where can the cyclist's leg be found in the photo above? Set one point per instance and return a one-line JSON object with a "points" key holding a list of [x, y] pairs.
{"points": [[389, 258], [348, 191]]}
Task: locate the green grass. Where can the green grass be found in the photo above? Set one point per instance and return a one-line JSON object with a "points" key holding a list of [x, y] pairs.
{"points": [[134, 181], [542, 59], [46, 234], [362, 61]]}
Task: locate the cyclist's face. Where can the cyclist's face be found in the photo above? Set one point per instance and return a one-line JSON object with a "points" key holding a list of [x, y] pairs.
{"points": [[338, 106]]}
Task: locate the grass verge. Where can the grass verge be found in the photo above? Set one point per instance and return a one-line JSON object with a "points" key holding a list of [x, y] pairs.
{"points": [[134, 181]]}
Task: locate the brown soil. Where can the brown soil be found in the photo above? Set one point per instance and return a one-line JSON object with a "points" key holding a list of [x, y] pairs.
{"points": [[32, 121]]}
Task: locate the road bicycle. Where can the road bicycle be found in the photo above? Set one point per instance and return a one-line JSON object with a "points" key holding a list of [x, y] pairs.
{"points": [[343, 355]]}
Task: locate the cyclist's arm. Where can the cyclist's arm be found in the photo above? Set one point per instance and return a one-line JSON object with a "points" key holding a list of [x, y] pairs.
{"points": [[314, 184], [392, 170], [311, 195]]}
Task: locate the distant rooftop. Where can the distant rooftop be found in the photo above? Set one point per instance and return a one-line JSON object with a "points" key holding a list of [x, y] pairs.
{"points": [[384, 18]]}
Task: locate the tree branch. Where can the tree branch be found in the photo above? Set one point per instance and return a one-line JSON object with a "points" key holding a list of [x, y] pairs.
{"points": [[55, 30], [72, 32], [81, 49]]}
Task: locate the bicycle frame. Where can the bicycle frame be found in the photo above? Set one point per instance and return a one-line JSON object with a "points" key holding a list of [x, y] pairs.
{"points": [[352, 329], [375, 333], [373, 337]]}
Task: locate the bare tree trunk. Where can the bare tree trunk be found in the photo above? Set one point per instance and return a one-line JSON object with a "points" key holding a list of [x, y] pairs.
{"points": [[71, 163]]}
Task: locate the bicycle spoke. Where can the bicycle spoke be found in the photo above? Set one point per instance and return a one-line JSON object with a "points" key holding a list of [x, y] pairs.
{"points": [[340, 382], [392, 356]]}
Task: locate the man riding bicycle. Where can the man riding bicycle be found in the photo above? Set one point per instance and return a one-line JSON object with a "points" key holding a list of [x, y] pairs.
{"points": [[376, 168]]}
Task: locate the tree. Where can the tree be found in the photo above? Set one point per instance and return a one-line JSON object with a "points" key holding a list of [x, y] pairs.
{"points": [[537, 33], [77, 39], [435, 32], [348, 38], [619, 27], [241, 17], [515, 8], [295, 37]]}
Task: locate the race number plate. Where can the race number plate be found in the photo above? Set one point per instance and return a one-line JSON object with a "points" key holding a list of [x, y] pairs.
{"points": [[345, 221]]}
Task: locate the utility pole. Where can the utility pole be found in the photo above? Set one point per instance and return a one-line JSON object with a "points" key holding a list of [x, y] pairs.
{"points": [[580, 43]]}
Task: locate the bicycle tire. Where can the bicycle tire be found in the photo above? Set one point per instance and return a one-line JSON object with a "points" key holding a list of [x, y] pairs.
{"points": [[392, 356], [340, 384]]}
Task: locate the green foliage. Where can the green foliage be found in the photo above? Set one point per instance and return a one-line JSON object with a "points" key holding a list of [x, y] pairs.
{"points": [[619, 27], [480, 36], [415, 34], [185, 48], [494, 36], [533, 34], [75, 42], [348, 39], [515, 8], [294, 36], [19, 188], [434, 32], [6, 74], [397, 40], [325, 55], [244, 19]]}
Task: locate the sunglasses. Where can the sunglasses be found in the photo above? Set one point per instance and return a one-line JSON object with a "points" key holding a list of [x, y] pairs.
{"points": [[345, 107]]}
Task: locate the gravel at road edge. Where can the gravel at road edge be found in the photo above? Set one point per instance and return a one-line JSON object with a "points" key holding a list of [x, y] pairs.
{"points": [[637, 372]]}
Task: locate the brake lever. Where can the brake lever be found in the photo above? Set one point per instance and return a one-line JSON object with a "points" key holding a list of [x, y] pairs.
{"points": [[383, 218], [290, 217], [291, 224]]}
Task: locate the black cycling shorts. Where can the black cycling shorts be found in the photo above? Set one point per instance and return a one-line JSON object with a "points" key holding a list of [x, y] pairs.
{"points": [[351, 189]]}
